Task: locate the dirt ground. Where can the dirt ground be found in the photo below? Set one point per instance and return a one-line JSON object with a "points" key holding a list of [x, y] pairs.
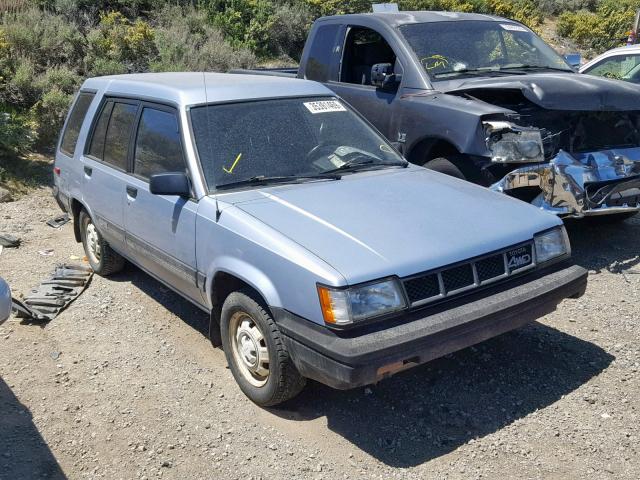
{"points": [[125, 384]]}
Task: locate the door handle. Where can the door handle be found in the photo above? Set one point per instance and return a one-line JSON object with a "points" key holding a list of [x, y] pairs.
{"points": [[88, 171], [132, 191]]}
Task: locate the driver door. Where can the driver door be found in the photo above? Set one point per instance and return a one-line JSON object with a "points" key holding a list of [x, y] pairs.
{"points": [[363, 48]]}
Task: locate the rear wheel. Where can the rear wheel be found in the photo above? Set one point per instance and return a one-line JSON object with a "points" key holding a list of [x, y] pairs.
{"points": [[102, 258], [255, 351]]}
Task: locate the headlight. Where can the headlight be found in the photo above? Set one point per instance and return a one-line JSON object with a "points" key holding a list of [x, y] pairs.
{"points": [[551, 244], [344, 306], [510, 143]]}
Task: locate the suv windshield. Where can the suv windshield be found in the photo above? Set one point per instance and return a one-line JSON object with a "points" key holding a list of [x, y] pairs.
{"points": [[471, 47], [291, 138]]}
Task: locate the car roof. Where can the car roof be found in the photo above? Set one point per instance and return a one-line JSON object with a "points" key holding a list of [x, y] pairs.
{"points": [[188, 88], [395, 19]]}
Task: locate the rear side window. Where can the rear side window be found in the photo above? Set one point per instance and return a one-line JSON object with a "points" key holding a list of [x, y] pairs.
{"points": [[116, 143], [319, 60], [74, 123], [158, 147], [97, 140]]}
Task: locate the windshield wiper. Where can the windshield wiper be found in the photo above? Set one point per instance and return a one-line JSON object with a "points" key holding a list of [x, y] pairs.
{"points": [[535, 67], [363, 162], [265, 180]]}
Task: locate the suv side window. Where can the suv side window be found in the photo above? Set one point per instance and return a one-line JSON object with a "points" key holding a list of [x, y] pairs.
{"points": [[363, 49], [158, 145], [116, 143], [319, 61], [96, 149], [74, 123]]}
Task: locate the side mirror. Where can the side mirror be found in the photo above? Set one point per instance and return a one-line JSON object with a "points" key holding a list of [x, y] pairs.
{"points": [[382, 76], [170, 183], [573, 59]]}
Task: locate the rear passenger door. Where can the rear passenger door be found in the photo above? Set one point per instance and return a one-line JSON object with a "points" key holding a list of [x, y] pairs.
{"points": [[105, 168], [160, 229]]}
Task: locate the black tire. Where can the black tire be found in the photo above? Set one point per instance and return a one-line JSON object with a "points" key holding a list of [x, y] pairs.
{"points": [[610, 219], [283, 381], [109, 262], [446, 166]]}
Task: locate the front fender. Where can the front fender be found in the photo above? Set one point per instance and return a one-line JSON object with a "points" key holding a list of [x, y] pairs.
{"points": [[246, 272]]}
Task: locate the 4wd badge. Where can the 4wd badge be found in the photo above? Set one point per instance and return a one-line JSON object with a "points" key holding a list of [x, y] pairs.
{"points": [[519, 257]]}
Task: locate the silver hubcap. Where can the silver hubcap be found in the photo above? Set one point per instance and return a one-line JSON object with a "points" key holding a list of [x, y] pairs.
{"points": [[93, 243], [249, 349]]}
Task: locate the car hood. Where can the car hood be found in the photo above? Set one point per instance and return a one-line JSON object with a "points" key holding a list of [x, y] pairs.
{"points": [[556, 91], [394, 222]]}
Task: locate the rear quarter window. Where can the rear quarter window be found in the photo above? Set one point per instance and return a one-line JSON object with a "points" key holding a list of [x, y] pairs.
{"points": [[74, 123]]}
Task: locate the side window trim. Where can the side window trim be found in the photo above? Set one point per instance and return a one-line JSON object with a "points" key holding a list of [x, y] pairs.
{"points": [[94, 122]]}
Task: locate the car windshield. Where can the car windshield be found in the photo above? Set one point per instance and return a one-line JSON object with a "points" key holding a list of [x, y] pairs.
{"points": [[280, 139], [471, 47]]}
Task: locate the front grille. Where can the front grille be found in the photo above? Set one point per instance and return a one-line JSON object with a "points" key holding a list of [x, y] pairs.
{"points": [[431, 286], [490, 267], [458, 277], [422, 287]]}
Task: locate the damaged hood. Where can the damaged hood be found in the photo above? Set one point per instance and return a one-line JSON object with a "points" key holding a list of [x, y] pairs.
{"points": [[556, 91], [394, 222]]}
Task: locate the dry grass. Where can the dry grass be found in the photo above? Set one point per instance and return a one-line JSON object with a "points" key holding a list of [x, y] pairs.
{"points": [[21, 174]]}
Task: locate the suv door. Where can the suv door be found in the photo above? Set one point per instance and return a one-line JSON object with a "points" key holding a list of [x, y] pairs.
{"points": [[105, 165], [160, 229], [364, 47]]}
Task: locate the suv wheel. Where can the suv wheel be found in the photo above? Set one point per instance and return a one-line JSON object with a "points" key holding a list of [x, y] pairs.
{"points": [[102, 258], [257, 356]]}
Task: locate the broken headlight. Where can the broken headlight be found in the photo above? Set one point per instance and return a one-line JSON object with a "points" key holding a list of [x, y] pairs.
{"points": [[510, 143]]}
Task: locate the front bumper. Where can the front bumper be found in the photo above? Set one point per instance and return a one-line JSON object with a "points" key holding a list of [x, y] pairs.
{"points": [[349, 359], [579, 185]]}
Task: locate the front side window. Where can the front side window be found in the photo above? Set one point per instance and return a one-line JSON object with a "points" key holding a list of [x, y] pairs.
{"points": [[449, 50], [363, 49], [158, 146], [288, 137], [116, 143], [620, 67], [76, 118]]}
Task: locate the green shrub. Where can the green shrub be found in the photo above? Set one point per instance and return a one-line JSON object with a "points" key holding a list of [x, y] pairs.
{"points": [[49, 113], [606, 28], [16, 131], [186, 40], [288, 30]]}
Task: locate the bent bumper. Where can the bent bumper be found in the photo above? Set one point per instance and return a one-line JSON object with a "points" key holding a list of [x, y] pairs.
{"points": [[345, 360], [586, 184]]}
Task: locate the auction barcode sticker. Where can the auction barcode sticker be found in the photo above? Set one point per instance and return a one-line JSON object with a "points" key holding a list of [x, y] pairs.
{"points": [[323, 106]]}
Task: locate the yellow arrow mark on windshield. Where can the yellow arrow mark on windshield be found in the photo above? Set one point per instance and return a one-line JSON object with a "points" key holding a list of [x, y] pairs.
{"points": [[230, 170]]}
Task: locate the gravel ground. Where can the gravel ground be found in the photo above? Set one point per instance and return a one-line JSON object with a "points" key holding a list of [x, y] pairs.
{"points": [[124, 384]]}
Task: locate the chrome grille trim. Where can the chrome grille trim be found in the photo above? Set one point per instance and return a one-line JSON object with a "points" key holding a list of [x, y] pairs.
{"points": [[477, 282]]}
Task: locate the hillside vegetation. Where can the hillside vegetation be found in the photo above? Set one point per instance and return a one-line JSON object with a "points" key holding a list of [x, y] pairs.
{"points": [[47, 47]]}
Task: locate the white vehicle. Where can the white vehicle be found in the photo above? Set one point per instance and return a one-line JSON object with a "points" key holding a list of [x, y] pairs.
{"points": [[620, 63]]}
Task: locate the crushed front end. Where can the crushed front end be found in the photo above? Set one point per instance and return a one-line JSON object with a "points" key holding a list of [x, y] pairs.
{"points": [[572, 164]]}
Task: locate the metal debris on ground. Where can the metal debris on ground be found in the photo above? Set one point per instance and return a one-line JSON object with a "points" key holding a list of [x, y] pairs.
{"points": [[9, 241], [46, 253], [58, 221], [53, 295]]}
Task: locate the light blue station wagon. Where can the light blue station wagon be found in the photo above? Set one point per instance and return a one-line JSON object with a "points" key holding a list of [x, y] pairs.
{"points": [[318, 251]]}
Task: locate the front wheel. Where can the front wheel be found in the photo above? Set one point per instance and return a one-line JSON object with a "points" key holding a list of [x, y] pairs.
{"points": [[256, 354]]}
